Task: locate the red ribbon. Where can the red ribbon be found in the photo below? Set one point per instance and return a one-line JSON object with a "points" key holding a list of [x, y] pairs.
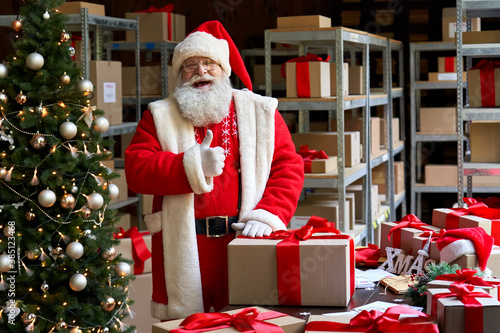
{"points": [[288, 257], [247, 320], [434, 237], [482, 210], [302, 73], [368, 256], [140, 252], [409, 221], [309, 155], [377, 322], [473, 309], [487, 79], [466, 276], [165, 9], [451, 221], [449, 64]]}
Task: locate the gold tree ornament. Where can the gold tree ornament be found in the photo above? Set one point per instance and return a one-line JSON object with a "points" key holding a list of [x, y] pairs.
{"points": [[21, 98], [38, 141], [30, 216], [16, 25], [65, 36], [108, 304], [64, 79], [68, 201]]}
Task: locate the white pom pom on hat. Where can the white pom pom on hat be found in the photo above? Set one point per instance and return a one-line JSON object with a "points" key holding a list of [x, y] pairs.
{"points": [[211, 40]]}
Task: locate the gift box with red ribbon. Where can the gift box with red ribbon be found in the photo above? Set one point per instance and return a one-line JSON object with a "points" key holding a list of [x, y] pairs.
{"points": [[310, 266], [254, 319], [470, 261], [447, 64], [158, 24], [401, 319], [461, 308], [135, 245], [483, 79], [421, 240], [369, 256], [400, 234], [317, 161], [466, 276], [307, 76]]}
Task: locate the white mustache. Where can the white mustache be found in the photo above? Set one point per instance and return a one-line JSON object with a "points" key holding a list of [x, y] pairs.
{"points": [[196, 78]]}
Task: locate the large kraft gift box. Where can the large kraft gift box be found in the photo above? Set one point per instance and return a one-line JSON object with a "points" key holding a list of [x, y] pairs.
{"points": [[438, 120], [402, 234], [307, 79], [484, 79], [75, 7], [303, 21], [474, 311], [107, 79], [419, 243], [287, 323], [482, 135], [141, 290], [356, 124], [333, 79], [410, 321], [492, 227], [489, 285], [469, 261], [159, 24], [327, 141], [135, 245], [449, 24], [318, 271]]}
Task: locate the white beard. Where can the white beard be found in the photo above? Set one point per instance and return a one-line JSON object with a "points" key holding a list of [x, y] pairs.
{"points": [[204, 107]]}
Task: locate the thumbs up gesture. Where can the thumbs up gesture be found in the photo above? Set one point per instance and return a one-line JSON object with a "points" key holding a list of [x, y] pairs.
{"points": [[212, 159]]}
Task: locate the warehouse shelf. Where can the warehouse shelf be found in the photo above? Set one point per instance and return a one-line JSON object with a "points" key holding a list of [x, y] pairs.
{"points": [[124, 203], [123, 128], [430, 85], [358, 234], [471, 9], [424, 137], [422, 188], [336, 41]]}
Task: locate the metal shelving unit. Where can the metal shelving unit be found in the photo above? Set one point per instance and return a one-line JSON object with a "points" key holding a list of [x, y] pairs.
{"points": [[336, 41], [471, 9]]}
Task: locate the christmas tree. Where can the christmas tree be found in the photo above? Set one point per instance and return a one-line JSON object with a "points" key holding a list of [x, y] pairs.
{"points": [[59, 269]]}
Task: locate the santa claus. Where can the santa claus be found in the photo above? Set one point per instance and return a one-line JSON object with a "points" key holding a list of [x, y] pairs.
{"points": [[216, 160]]}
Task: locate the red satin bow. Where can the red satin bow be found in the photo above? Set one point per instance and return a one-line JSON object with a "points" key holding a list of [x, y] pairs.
{"points": [[409, 221], [248, 320], [307, 58], [378, 322], [369, 256], [140, 251], [309, 155], [465, 276], [165, 9]]}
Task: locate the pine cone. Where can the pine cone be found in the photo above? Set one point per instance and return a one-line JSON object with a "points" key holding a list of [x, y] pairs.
{"points": [[423, 280]]}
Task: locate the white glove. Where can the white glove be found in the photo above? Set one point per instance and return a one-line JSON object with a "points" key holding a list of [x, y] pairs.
{"points": [[253, 228], [212, 159]]}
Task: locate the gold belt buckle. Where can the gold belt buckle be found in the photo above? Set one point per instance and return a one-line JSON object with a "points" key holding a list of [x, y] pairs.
{"points": [[207, 220]]}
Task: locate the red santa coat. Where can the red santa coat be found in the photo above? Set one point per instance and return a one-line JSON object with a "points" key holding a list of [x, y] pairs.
{"points": [[163, 159]]}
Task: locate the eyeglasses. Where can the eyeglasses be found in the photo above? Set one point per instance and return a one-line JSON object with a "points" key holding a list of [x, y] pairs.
{"points": [[192, 65]]}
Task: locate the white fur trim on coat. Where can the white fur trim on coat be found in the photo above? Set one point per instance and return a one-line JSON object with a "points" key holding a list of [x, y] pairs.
{"points": [[153, 222], [201, 44], [194, 171], [456, 249]]}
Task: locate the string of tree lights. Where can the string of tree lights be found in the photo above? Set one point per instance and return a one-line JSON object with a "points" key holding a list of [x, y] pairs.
{"points": [[59, 270]]}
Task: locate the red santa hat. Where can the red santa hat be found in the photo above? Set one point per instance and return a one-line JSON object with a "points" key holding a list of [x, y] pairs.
{"points": [[211, 40], [457, 242]]}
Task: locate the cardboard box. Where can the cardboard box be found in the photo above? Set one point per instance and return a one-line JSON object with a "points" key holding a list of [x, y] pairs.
{"points": [[126, 249], [356, 80], [324, 264], [451, 313], [123, 220], [470, 261], [438, 120], [358, 198], [419, 243], [379, 177], [122, 186], [329, 197], [404, 237], [447, 64], [441, 175], [443, 284], [333, 79], [259, 74], [327, 141], [76, 7], [289, 324], [140, 291], [326, 209], [395, 132], [356, 124], [482, 135], [106, 77], [319, 80], [125, 140], [147, 204], [445, 77], [78, 46], [151, 84], [304, 21], [487, 95], [324, 165], [481, 37], [443, 218], [154, 27], [449, 24], [473, 221]]}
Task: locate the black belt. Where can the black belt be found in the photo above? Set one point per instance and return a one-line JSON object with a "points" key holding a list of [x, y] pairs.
{"points": [[215, 226]]}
